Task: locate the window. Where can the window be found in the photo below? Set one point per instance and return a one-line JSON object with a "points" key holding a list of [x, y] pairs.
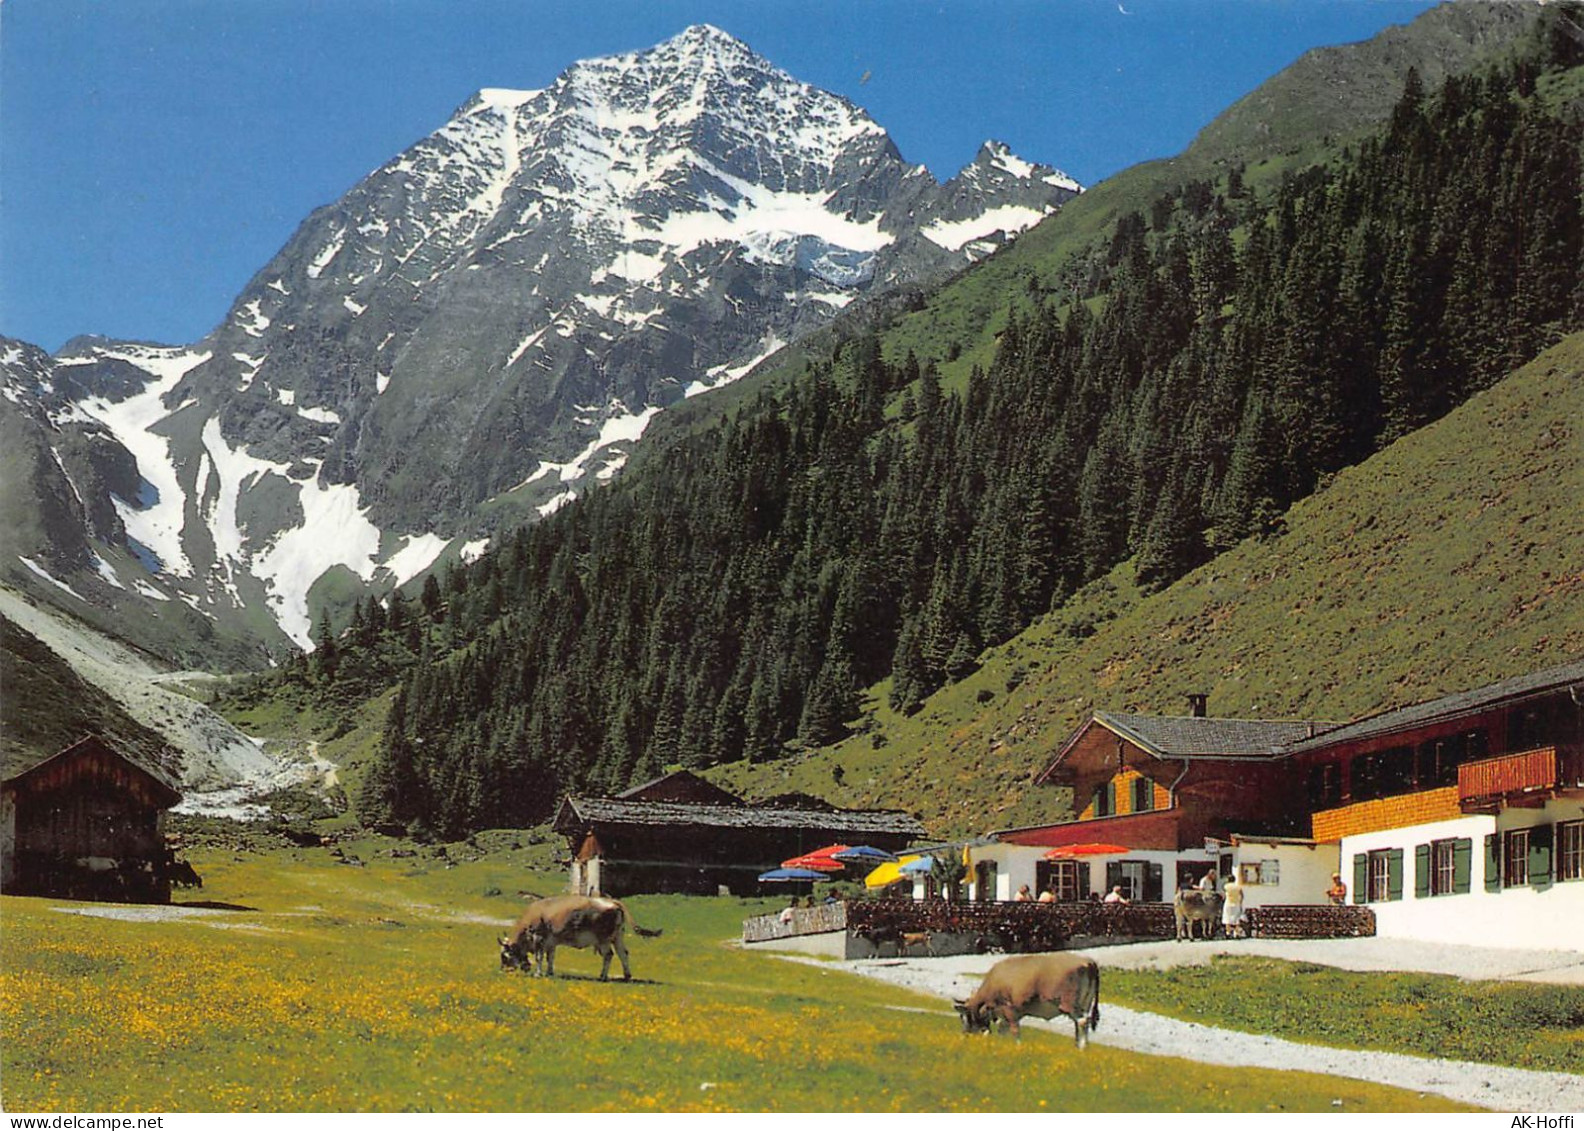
{"points": [[1139, 879], [1442, 869], [1384, 773], [1570, 851], [1105, 800], [1439, 759], [1378, 875], [1325, 785], [1143, 795], [1394, 771], [1065, 881], [1477, 746], [1515, 858], [985, 873], [1361, 779], [1533, 725]]}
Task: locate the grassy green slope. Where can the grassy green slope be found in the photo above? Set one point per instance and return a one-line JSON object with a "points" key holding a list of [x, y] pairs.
{"points": [[1452, 559]]}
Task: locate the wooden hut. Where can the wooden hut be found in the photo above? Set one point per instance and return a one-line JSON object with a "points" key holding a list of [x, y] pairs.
{"points": [[681, 834], [86, 823]]}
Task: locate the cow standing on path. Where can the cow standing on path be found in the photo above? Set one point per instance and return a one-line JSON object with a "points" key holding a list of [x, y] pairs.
{"points": [[1195, 906], [570, 920], [1037, 985]]}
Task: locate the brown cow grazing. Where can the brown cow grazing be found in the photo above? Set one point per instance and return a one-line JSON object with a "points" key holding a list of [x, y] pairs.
{"points": [[1194, 906], [1037, 985], [569, 920]]}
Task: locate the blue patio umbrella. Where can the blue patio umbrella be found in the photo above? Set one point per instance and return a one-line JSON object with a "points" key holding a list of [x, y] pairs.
{"points": [[918, 867], [862, 854], [791, 875]]}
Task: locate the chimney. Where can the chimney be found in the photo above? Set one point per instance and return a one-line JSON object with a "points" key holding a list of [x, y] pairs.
{"points": [[1197, 705]]}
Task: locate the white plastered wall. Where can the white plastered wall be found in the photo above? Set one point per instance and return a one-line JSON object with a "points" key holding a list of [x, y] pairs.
{"points": [[1542, 918], [1303, 872]]}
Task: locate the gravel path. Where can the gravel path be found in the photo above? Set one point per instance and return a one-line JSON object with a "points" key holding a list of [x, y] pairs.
{"points": [[1490, 1086]]}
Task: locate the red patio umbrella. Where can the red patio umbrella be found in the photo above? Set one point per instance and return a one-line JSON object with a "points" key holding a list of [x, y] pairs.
{"points": [[820, 860], [1077, 851]]}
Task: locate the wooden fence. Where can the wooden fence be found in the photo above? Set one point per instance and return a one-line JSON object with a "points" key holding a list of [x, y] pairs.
{"points": [[1028, 927], [802, 921], [1014, 927], [1309, 921]]}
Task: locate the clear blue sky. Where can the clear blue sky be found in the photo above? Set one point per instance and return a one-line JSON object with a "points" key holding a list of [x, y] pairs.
{"points": [[155, 153]]}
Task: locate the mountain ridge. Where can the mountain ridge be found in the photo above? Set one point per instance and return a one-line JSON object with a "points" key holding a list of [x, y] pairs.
{"points": [[485, 325]]}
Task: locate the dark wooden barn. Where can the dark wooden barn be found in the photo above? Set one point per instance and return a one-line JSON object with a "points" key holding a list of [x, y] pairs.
{"points": [[86, 823], [681, 834]]}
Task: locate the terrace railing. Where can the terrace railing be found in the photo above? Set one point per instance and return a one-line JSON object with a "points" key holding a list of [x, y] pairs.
{"points": [[1027, 927], [1526, 777], [814, 920]]}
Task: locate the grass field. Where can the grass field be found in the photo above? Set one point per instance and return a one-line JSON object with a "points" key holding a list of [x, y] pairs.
{"points": [[377, 988], [1521, 1025]]}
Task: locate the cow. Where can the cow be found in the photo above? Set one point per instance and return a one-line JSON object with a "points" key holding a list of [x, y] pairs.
{"points": [[1037, 985], [569, 920], [1193, 906]]}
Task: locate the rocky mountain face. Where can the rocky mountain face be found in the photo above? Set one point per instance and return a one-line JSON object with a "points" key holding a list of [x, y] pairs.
{"points": [[470, 334]]}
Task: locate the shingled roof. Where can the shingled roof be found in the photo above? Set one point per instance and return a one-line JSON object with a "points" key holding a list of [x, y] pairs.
{"points": [[615, 811], [1448, 707], [83, 761], [1174, 736]]}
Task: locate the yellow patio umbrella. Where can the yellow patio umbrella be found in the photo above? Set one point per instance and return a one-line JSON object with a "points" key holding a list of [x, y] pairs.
{"points": [[888, 873]]}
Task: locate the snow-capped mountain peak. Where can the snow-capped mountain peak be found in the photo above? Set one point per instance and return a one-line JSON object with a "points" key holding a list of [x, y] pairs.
{"points": [[489, 321]]}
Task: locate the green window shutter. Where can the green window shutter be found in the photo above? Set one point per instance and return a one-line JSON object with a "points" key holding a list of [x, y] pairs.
{"points": [[1421, 871], [1540, 840], [1110, 797], [1360, 877], [1493, 861], [1394, 873], [1462, 865], [1083, 880]]}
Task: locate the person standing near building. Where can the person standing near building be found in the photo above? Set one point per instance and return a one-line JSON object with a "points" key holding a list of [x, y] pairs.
{"points": [[1232, 908], [1337, 892]]}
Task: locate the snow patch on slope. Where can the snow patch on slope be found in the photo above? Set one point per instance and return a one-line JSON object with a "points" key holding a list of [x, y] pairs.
{"points": [[156, 519], [334, 530], [726, 374], [46, 575], [954, 235], [416, 555]]}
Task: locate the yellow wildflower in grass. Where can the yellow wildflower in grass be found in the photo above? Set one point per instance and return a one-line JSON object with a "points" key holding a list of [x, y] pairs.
{"points": [[338, 1009]]}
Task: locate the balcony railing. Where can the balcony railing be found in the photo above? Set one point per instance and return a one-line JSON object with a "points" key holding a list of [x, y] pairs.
{"points": [[1528, 777]]}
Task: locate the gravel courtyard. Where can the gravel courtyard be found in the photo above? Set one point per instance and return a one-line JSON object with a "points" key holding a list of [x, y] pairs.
{"points": [[1499, 1088]]}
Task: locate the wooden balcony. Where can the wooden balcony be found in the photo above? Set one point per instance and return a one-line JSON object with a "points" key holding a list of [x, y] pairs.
{"points": [[1527, 779]]}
